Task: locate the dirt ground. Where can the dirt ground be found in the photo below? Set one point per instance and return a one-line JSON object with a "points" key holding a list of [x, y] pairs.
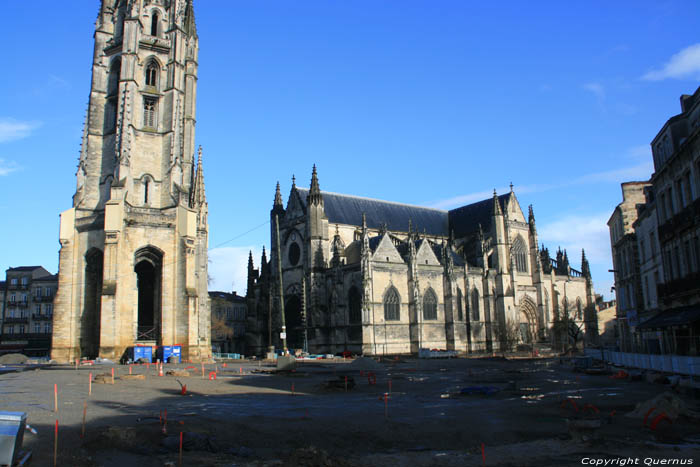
{"points": [[250, 416]]}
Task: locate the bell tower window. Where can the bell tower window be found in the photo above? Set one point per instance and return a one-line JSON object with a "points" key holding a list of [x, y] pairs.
{"points": [[150, 106], [110, 114], [152, 75], [146, 184], [154, 24]]}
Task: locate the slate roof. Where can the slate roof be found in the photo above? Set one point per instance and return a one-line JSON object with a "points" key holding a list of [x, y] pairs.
{"points": [[466, 220], [458, 260], [347, 209], [23, 269], [463, 221]]}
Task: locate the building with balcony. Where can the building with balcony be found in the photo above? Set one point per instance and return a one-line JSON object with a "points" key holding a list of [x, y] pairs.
{"points": [[623, 240], [228, 322], [676, 188], [26, 322], [655, 237]]}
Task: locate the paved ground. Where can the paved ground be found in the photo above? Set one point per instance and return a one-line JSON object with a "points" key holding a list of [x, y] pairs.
{"points": [[248, 416]]}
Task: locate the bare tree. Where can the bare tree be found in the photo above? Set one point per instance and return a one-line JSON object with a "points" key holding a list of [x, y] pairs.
{"points": [[567, 326], [219, 327], [507, 334]]}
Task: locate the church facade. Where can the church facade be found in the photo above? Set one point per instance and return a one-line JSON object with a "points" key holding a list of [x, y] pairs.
{"points": [[133, 256], [377, 277]]}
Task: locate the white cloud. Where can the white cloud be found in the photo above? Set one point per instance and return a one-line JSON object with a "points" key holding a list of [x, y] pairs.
{"points": [[641, 171], [591, 233], [11, 129], [7, 167], [461, 200], [637, 172], [228, 268], [597, 89], [643, 151], [575, 232], [684, 64]]}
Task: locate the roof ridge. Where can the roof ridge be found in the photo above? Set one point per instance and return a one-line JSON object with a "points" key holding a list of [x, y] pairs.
{"points": [[378, 200]]}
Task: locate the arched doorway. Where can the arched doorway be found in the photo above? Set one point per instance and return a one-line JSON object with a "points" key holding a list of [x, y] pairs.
{"points": [[148, 269], [528, 321], [91, 317], [295, 326]]}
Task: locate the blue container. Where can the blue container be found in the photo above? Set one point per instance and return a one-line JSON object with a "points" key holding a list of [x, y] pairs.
{"points": [[138, 352], [166, 351]]}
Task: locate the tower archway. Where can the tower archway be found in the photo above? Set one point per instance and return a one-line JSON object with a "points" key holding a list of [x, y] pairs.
{"points": [[149, 270], [90, 318]]}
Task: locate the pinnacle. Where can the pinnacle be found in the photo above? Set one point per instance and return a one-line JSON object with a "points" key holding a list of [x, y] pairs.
{"points": [[278, 196]]}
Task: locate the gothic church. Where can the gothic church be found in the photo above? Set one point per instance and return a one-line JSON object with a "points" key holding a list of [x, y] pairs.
{"points": [[377, 277], [133, 257]]}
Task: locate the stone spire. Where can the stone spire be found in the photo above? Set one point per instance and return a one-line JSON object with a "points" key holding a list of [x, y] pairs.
{"points": [[251, 275], [337, 246], [278, 196], [278, 204], [496, 205], [585, 267], [200, 196], [530, 215], [190, 25], [315, 190]]}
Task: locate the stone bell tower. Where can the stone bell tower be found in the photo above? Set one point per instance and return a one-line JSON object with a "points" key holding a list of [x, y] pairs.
{"points": [[133, 257]]}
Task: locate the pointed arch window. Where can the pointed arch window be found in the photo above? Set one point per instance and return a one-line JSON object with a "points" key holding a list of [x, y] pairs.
{"points": [[475, 305], [155, 18], [460, 299], [152, 71], [520, 254], [355, 306], [392, 304], [113, 79], [150, 107], [579, 309], [429, 305], [146, 188], [110, 113]]}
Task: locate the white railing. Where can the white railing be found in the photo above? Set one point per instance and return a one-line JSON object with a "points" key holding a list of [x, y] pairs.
{"points": [[679, 364]]}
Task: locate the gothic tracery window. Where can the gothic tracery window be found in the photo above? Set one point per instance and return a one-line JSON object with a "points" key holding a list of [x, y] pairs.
{"points": [[392, 303], [475, 305], [355, 306], [152, 74], [460, 313], [149, 112], [520, 254], [579, 309], [429, 305]]}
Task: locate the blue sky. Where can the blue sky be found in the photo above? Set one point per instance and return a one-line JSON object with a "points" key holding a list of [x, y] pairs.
{"points": [[424, 102]]}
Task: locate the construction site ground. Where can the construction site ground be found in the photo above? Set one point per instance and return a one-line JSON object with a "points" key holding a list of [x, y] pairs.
{"points": [[405, 412]]}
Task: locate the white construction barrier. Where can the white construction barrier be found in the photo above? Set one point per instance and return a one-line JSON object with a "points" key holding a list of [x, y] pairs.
{"points": [[679, 364]]}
